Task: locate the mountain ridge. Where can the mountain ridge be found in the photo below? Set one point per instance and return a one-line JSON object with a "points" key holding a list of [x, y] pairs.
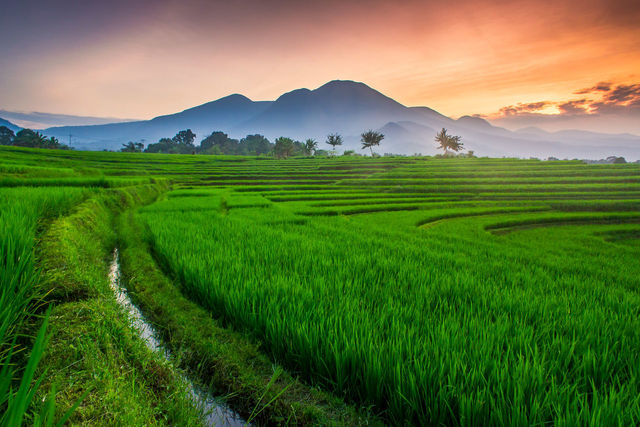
{"points": [[349, 108], [9, 125]]}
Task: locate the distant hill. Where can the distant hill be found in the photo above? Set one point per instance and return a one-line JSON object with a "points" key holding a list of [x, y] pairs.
{"points": [[10, 125], [36, 120], [350, 108]]}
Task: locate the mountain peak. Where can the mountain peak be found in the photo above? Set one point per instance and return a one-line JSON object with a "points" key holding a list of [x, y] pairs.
{"points": [[348, 87], [344, 84], [474, 120], [235, 97]]}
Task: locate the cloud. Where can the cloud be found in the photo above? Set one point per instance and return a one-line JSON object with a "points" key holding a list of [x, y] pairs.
{"points": [[520, 108], [578, 106], [605, 98], [600, 87], [624, 94]]}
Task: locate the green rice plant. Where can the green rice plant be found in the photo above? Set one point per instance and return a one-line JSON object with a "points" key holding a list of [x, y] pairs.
{"points": [[20, 213], [436, 291], [446, 324]]}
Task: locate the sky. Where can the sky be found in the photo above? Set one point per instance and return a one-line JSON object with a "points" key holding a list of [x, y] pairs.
{"points": [[509, 61]]}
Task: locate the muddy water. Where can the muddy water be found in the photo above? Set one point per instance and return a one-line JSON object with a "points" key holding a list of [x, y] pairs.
{"points": [[214, 412]]}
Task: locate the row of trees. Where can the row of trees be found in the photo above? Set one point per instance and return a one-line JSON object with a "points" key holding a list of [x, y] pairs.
{"points": [[369, 139], [220, 143], [216, 143], [29, 138]]}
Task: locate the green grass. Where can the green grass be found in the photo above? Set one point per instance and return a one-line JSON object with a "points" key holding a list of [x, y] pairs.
{"points": [[431, 291], [94, 354], [21, 214], [448, 324], [226, 361]]}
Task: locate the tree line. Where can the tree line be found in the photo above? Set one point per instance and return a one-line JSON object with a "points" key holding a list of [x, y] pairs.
{"points": [[219, 143], [29, 138]]}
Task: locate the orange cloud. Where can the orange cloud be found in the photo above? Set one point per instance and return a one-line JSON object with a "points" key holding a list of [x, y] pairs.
{"points": [[532, 107], [611, 98]]}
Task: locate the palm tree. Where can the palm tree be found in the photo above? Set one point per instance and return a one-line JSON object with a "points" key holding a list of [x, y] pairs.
{"points": [[371, 138], [51, 142], [334, 139], [310, 145], [448, 142]]}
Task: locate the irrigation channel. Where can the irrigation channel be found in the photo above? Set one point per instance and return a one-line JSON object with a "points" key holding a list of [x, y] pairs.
{"points": [[215, 412]]}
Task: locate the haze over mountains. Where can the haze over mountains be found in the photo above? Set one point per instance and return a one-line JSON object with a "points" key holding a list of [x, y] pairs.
{"points": [[8, 124], [350, 108], [37, 120]]}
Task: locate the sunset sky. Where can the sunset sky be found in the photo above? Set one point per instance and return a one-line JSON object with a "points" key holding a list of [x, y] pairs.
{"points": [[140, 59]]}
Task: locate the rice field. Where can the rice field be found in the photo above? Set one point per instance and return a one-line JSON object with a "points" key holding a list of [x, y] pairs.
{"points": [[435, 291], [475, 291]]}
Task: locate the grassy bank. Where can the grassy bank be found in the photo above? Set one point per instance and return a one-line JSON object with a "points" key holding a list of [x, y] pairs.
{"points": [[93, 353]]}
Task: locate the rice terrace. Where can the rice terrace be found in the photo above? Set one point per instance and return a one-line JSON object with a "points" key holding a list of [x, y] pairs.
{"points": [[319, 213], [327, 290]]}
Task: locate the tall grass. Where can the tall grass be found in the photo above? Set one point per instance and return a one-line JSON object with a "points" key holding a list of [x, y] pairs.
{"points": [[20, 214], [391, 289], [447, 324]]}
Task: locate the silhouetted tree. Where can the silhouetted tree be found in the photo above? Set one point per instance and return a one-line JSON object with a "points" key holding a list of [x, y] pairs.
{"points": [[185, 137], [29, 138], [370, 139], [299, 149], [219, 143], [310, 146], [334, 139], [255, 145], [132, 147], [6, 136], [182, 143], [164, 145], [283, 148], [448, 142], [51, 143], [33, 139], [216, 138], [616, 160]]}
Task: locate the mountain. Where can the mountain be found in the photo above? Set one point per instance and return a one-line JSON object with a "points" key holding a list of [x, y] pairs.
{"points": [[344, 106], [36, 120], [410, 136], [227, 111], [8, 124], [349, 108], [221, 114]]}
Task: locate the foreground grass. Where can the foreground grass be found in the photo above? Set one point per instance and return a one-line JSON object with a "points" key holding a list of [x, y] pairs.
{"points": [[21, 347]]}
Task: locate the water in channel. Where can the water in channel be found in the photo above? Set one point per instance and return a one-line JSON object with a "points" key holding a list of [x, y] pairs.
{"points": [[215, 412]]}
